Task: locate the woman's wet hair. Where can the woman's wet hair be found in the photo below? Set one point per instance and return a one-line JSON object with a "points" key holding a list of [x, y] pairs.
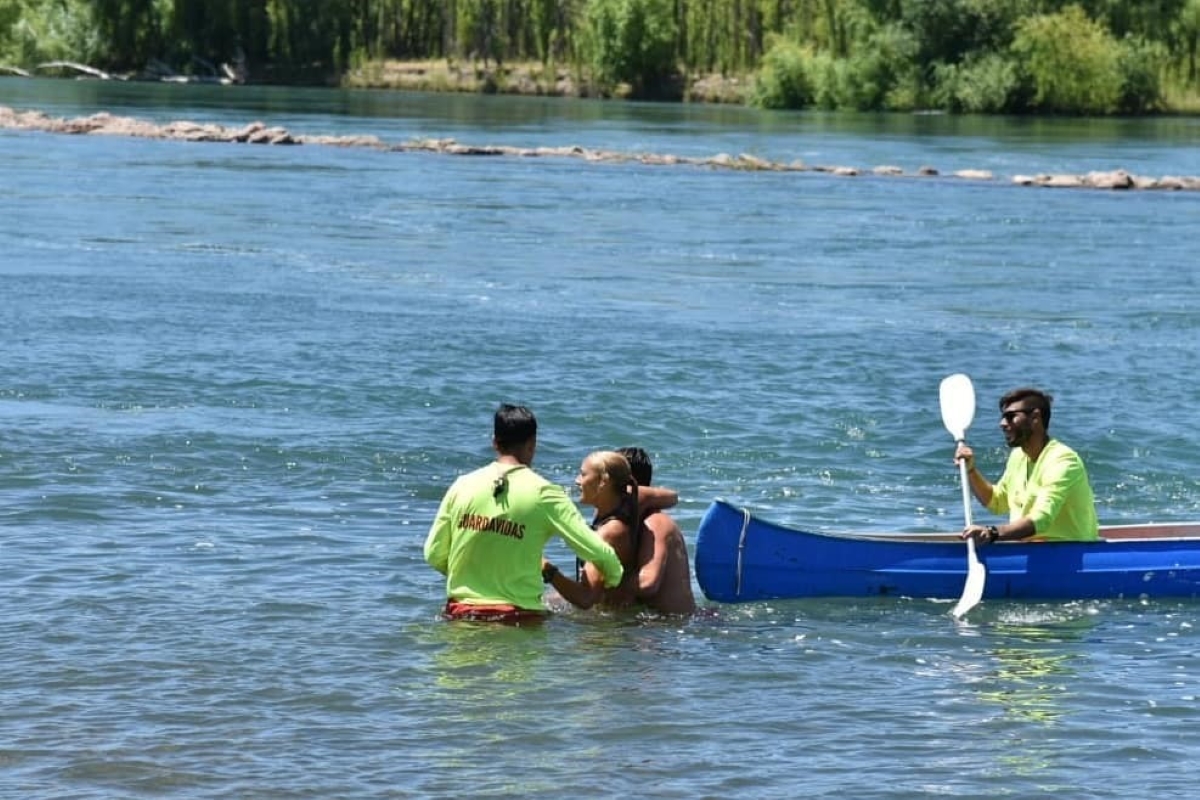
{"points": [[617, 469]]}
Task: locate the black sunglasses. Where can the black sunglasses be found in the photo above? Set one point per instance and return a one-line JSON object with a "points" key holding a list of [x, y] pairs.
{"points": [[1009, 416]]}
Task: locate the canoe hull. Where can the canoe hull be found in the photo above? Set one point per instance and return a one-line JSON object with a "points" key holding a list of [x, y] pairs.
{"points": [[743, 558]]}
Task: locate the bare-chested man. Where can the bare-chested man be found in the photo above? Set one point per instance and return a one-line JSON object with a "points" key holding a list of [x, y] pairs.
{"points": [[664, 568]]}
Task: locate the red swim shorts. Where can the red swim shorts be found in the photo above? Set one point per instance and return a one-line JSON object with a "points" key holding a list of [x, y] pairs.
{"points": [[492, 612]]}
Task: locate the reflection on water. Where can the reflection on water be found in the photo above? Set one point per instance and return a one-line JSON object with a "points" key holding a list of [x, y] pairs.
{"points": [[1033, 671], [540, 690], [486, 659], [1028, 684], [480, 680], [1032, 680]]}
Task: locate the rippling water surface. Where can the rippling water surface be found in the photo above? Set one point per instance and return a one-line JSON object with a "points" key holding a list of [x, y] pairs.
{"points": [[235, 381]]}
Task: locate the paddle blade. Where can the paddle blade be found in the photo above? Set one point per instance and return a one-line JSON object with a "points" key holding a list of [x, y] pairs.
{"points": [[973, 590], [957, 396]]}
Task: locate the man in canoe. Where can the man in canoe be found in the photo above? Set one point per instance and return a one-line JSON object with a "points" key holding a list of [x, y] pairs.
{"points": [[664, 569], [1044, 489], [493, 524]]}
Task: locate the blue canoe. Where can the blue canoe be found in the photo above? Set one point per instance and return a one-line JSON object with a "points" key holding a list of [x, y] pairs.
{"points": [[742, 558]]}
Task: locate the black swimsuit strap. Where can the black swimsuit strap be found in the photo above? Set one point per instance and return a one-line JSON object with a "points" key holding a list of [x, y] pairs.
{"points": [[635, 532], [597, 523]]}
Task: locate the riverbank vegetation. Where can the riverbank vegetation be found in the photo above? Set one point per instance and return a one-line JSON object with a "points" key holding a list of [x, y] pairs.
{"points": [[979, 56]]}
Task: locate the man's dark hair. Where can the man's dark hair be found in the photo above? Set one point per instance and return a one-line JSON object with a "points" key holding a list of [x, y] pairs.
{"points": [[513, 426], [639, 464], [1035, 398]]}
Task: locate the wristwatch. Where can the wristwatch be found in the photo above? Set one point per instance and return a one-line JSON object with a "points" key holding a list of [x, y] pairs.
{"points": [[993, 533], [548, 573]]}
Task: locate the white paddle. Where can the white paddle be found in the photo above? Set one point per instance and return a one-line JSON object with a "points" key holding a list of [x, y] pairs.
{"points": [[957, 397]]}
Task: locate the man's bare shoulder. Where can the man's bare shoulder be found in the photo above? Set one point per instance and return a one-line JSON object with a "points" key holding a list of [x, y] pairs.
{"points": [[662, 524]]}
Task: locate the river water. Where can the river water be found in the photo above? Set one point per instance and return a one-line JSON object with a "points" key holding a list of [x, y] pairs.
{"points": [[236, 380]]}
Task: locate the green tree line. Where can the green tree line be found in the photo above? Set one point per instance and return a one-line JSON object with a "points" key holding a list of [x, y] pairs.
{"points": [[1042, 56]]}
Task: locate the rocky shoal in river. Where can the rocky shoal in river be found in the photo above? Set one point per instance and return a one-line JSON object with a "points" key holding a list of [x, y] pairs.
{"points": [[106, 124]]}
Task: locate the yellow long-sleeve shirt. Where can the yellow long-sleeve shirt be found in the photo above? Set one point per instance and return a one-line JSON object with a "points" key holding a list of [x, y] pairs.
{"points": [[1053, 491], [489, 545]]}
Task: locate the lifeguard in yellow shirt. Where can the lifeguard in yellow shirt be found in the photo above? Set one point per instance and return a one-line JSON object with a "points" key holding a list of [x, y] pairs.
{"points": [[493, 524], [1044, 489]]}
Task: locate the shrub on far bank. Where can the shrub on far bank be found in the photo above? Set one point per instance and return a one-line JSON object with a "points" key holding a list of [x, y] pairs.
{"points": [[987, 84], [32, 31], [881, 75], [1141, 64], [632, 42], [1073, 62], [1058, 63], [783, 80]]}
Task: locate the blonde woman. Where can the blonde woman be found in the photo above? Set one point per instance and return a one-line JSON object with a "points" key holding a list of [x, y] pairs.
{"points": [[606, 483]]}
